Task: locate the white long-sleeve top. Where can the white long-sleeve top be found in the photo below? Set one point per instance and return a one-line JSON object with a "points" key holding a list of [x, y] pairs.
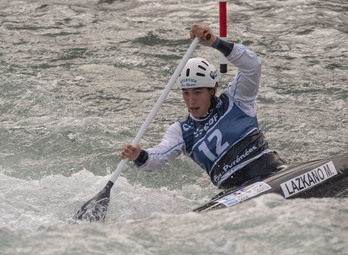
{"points": [[216, 142]]}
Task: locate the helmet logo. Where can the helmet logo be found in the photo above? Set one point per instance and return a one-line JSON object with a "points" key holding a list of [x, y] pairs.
{"points": [[213, 74], [188, 82]]}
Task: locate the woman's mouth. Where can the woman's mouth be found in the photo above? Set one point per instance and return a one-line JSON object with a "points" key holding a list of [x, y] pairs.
{"points": [[194, 109]]}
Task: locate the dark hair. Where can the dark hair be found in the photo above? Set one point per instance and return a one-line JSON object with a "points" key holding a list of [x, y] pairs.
{"points": [[213, 99]]}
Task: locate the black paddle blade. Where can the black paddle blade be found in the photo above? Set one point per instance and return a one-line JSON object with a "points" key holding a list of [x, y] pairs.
{"points": [[95, 209]]}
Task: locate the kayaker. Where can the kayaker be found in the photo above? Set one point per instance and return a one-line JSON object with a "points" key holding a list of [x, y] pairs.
{"points": [[221, 133]]}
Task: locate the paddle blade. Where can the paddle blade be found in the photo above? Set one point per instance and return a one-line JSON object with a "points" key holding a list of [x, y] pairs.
{"points": [[95, 209]]}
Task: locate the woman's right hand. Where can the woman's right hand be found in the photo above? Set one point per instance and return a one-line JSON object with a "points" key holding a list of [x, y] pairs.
{"points": [[130, 152]]}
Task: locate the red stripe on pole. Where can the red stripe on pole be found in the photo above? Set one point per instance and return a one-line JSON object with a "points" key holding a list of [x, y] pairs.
{"points": [[223, 19], [223, 32]]}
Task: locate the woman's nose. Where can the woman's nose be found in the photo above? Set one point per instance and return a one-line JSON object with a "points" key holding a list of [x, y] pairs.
{"points": [[191, 99]]}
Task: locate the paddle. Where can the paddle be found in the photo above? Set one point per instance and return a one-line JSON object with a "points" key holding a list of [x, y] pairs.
{"points": [[95, 208]]}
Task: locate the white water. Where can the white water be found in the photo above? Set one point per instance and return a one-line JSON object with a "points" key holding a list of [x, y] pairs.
{"points": [[78, 79]]}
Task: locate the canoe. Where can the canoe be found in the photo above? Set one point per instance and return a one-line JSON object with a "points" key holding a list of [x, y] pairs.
{"points": [[314, 179]]}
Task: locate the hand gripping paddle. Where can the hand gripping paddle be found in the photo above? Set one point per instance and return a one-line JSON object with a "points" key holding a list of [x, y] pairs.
{"points": [[95, 208]]}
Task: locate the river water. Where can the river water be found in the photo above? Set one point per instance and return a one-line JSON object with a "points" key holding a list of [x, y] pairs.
{"points": [[78, 79]]}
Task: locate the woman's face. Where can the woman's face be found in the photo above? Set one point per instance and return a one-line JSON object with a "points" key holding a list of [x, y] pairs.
{"points": [[197, 100]]}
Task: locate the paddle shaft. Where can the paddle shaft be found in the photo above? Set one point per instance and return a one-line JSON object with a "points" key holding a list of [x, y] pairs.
{"points": [[158, 104], [95, 209]]}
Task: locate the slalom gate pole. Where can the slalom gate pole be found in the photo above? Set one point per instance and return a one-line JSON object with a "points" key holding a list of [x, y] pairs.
{"points": [[223, 32]]}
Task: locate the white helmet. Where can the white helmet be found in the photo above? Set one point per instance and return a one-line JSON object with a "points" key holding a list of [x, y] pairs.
{"points": [[198, 73]]}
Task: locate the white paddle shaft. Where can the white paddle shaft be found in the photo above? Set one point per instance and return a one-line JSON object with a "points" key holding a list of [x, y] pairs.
{"points": [[157, 106]]}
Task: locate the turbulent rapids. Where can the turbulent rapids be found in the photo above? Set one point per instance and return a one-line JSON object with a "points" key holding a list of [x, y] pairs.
{"points": [[78, 79]]}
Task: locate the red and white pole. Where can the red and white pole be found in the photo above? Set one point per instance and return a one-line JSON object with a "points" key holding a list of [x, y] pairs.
{"points": [[223, 32]]}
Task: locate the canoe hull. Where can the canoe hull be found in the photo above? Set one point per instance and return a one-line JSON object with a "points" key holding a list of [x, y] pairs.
{"points": [[313, 179]]}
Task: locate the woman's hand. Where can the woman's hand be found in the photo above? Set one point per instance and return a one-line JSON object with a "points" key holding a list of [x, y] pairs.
{"points": [[130, 152], [198, 31]]}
